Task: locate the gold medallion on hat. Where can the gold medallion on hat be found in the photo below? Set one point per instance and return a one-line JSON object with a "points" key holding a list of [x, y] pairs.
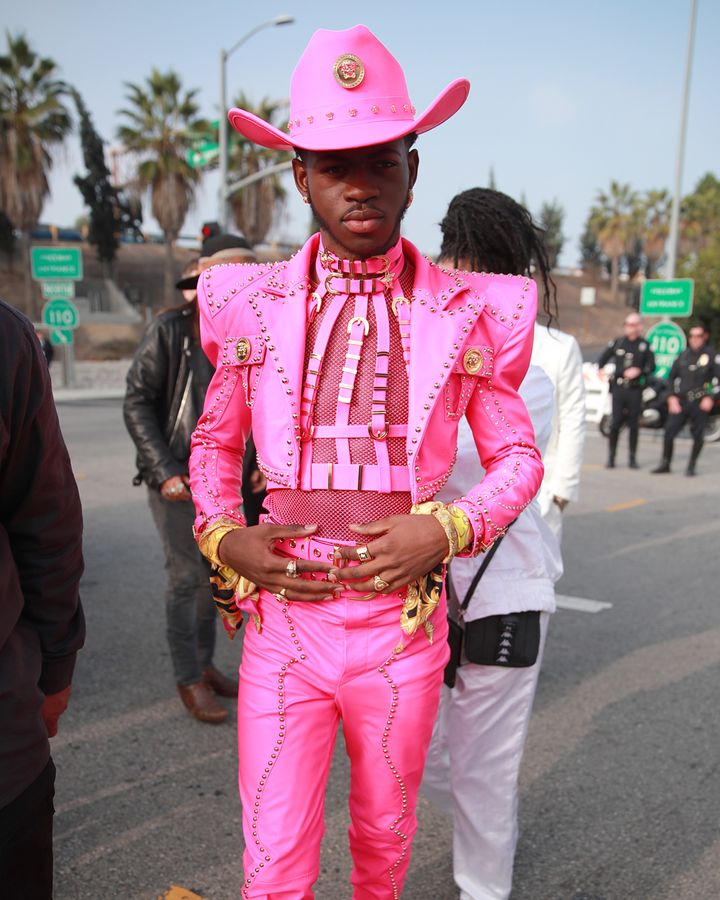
{"points": [[473, 361], [242, 349], [348, 70]]}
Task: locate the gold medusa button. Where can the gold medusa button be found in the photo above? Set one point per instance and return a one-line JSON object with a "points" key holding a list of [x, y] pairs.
{"points": [[348, 70], [473, 361], [242, 349]]}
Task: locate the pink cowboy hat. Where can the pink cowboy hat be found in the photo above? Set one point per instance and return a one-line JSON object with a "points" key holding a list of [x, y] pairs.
{"points": [[348, 91]]}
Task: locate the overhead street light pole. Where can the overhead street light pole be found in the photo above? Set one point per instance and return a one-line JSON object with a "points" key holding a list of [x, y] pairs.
{"points": [[223, 122], [675, 211]]}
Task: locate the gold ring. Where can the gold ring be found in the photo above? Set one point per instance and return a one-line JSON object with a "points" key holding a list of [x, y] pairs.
{"points": [[291, 569], [379, 584], [363, 553], [281, 593]]}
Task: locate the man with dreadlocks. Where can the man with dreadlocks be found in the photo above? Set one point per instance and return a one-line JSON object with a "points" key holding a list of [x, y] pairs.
{"points": [[486, 230], [503, 606], [352, 363]]}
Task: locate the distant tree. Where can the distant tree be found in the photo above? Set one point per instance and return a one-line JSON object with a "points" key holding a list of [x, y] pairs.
{"points": [[551, 220], [256, 206], [7, 238], [33, 120], [614, 222], [161, 120], [98, 193], [591, 256], [656, 227], [491, 179], [131, 213], [700, 215]]}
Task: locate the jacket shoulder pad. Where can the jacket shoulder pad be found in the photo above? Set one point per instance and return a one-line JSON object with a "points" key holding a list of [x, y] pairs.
{"points": [[508, 298], [220, 284]]}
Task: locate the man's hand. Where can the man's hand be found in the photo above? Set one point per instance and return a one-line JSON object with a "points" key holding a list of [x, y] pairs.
{"points": [[706, 404], [250, 553], [632, 373], [176, 488], [407, 548], [53, 707], [674, 406]]}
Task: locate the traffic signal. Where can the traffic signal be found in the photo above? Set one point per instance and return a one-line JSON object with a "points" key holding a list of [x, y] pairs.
{"points": [[209, 229]]}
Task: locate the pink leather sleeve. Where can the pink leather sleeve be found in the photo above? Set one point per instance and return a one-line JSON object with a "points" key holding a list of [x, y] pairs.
{"points": [[504, 438], [218, 442]]}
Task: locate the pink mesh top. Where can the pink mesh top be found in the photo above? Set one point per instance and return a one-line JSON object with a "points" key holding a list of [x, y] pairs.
{"points": [[356, 380]]}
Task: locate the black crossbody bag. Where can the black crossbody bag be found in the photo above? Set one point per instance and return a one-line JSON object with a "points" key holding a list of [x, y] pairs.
{"points": [[511, 640]]}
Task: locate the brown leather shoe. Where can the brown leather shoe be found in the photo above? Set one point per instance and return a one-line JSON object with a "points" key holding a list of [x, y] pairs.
{"points": [[201, 703], [219, 683]]}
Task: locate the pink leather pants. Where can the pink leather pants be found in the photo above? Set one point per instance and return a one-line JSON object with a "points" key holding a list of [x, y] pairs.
{"points": [[312, 665]]}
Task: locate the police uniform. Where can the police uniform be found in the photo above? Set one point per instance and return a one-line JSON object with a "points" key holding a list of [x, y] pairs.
{"points": [[694, 374], [627, 392]]}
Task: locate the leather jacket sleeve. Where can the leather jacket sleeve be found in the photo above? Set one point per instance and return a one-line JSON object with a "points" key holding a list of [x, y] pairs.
{"points": [[144, 408]]}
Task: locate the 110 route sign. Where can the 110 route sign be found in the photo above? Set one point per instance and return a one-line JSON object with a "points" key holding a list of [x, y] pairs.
{"points": [[667, 341], [61, 316]]}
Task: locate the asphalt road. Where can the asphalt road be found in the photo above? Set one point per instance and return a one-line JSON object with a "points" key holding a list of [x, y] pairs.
{"points": [[620, 795]]}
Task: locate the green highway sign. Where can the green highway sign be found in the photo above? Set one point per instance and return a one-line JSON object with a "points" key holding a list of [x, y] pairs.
{"points": [[205, 148], [667, 298], [53, 290], [667, 341], [60, 314], [61, 336], [203, 154], [55, 263]]}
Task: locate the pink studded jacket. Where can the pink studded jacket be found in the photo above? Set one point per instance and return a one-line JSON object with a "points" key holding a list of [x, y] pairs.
{"points": [[470, 344]]}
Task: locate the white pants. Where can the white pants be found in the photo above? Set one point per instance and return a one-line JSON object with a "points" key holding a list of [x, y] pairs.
{"points": [[473, 765]]}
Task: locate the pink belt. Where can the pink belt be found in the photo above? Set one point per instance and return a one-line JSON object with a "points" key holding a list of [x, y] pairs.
{"points": [[352, 477], [315, 548]]}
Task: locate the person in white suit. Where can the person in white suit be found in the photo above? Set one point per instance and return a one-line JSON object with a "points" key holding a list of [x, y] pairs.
{"points": [[558, 355], [473, 766]]}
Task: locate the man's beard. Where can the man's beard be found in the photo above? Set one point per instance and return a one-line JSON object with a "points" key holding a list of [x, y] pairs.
{"points": [[391, 241]]}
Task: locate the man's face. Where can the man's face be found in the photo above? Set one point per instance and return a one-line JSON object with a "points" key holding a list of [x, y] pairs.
{"points": [[358, 196], [697, 338], [633, 327]]}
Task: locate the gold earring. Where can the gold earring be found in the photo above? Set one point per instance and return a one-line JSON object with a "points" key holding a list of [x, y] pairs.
{"points": [[306, 199], [409, 200]]}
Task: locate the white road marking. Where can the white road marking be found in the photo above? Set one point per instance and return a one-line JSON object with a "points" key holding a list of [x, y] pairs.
{"points": [[581, 604]]}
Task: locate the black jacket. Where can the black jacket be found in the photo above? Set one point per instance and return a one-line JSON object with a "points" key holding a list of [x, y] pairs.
{"points": [[626, 354], [696, 373], [166, 386], [41, 620]]}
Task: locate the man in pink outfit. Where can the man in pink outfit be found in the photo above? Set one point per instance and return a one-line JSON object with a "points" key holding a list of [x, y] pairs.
{"points": [[352, 363]]}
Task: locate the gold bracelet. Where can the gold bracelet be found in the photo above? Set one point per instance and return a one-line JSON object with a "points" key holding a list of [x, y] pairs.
{"points": [[209, 540], [463, 527], [441, 513]]}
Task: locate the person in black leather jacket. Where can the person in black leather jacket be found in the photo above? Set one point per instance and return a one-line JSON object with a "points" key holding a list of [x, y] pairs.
{"points": [[166, 386], [41, 619]]}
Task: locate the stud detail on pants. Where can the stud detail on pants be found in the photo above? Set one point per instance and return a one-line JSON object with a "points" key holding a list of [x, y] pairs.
{"points": [[277, 747], [383, 670]]}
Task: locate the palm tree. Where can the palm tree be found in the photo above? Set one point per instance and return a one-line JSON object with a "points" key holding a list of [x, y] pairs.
{"points": [[33, 119], [162, 121], [256, 206], [656, 215], [614, 222]]}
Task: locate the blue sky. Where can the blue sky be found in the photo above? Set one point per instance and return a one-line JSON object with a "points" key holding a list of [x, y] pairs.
{"points": [[565, 96]]}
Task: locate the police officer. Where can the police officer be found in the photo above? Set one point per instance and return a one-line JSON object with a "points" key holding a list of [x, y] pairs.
{"points": [[695, 382], [634, 362]]}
